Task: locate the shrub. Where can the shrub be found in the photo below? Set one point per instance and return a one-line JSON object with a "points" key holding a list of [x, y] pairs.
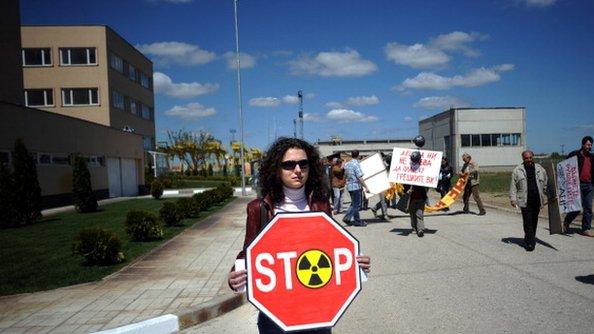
{"points": [[157, 189], [8, 215], [27, 192], [166, 181], [204, 199], [84, 197], [143, 225], [169, 214], [187, 207], [149, 176], [98, 247]]}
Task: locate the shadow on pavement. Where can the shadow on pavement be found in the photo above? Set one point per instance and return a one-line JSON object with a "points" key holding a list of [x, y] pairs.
{"points": [[585, 279], [406, 231], [520, 242]]}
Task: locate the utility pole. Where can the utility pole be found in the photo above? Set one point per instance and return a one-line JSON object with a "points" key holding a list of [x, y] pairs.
{"points": [[294, 127], [238, 63], [562, 149], [300, 95]]}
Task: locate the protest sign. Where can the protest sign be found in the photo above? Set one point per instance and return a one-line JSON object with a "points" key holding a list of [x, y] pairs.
{"points": [[568, 186], [374, 175], [404, 171]]}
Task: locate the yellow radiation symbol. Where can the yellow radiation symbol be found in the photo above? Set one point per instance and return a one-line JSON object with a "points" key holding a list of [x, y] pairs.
{"points": [[314, 269]]}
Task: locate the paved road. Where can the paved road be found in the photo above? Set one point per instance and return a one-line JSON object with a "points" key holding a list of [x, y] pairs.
{"points": [[469, 274]]}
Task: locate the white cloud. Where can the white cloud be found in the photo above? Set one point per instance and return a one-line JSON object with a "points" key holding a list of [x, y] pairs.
{"points": [[346, 115], [334, 105], [311, 117], [333, 64], [408, 119], [476, 77], [440, 102], [246, 60], [539, 3], [415, 56], [178, 53], [458, 41], [310, 96], [363, 100], [191, 111], [264, 102], [164, 85], [290, 99]]}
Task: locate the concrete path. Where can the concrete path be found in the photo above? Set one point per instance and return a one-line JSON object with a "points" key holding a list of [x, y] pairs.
{"points": [[469, 274], [184, 273]]}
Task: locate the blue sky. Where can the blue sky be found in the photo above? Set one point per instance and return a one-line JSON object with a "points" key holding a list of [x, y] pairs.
{"points": [[368, 69]]}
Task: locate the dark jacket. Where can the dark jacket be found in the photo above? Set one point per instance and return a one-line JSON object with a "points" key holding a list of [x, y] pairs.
{"points": [[580, 158], [446, 173], [253, 224], [418, 192]]}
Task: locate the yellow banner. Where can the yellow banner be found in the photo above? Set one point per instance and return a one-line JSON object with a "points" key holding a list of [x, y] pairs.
{"points": [[456, 191]]}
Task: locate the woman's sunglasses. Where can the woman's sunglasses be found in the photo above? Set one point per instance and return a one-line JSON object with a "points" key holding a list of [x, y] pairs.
{"points": [[290, 164]]}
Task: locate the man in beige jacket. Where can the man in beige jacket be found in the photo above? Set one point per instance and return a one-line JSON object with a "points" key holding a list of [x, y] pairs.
{"points": [[528, 190], [472, 185]]}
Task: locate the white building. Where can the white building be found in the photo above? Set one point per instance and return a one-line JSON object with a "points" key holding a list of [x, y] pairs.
{"points": [[494, 137], [337, 146]]}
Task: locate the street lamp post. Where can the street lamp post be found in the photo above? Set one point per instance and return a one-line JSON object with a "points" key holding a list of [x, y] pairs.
{"points": [[238, 63]]}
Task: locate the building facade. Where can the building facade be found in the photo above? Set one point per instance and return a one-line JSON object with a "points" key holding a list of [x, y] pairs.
{"points": [[91, 73], [494, 137], [365, 147]]}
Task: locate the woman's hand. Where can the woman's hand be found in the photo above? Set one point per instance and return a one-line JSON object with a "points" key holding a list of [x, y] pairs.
{"points": [[237, 279], [364, 262]]}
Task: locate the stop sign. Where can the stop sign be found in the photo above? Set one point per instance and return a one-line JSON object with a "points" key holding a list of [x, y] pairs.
{"points": [[302, 270]]}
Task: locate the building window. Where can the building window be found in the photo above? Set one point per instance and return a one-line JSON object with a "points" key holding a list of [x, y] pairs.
{"points": [[60, 159], [145, 81], [486, 140], [117, 99], [80, 96], [146, 112], [132, 72], [476, 140], [465, 142], [39, 97], [37, 57], [132, 107], [147, 142], [78, 56], [116, 62], [5, 158], [44, 159], [515, 139]]}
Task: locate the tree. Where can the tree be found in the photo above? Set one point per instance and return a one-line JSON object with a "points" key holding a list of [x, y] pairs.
{"points": [[82, 191], [8, 214], [27, 192]]}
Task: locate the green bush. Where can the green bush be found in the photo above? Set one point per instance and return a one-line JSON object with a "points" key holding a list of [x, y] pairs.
{"points": [[98, 246], [204, 199], [187, 207], [27, 192], [169, 214], [84, 197], [156, 189], [8, 214], [143, 225], [166, 181]]}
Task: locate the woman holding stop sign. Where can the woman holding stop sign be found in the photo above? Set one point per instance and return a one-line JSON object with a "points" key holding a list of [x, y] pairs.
{"points": [[291, 181]]}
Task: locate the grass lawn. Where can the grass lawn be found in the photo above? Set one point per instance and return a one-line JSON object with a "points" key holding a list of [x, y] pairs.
{"points": [[492, 182], [39, 257]]}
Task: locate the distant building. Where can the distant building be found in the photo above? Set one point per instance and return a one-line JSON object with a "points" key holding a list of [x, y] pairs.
{"points": [[335, 146], [494, 137], [91, 73]]}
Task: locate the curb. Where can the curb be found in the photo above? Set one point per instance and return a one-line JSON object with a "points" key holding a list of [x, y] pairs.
{"points": [[211, 309]]}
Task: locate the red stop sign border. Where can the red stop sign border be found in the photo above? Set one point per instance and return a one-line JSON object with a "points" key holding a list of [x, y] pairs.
{"points": [[250, 284]]}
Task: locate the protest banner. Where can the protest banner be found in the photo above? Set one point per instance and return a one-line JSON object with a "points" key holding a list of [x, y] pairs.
{"points": [[404, 171], [568, 186], [452, 195], [374, 175]]}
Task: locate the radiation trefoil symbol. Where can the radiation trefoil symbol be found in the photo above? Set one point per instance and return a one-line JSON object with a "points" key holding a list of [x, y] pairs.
{"points": [[314, 269]]}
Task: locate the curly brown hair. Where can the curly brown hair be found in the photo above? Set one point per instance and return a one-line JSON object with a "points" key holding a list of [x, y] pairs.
{"points": [[270, 175]]}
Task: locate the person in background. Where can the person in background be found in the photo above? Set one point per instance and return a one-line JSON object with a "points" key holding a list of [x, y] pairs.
{"points": [[586, 173], [381, 203], [291, 179], [528, 190], [445, 178], [472, 185], [338, 183], [354, 185]]}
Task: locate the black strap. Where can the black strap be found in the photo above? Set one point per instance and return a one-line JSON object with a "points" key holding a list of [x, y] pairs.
{"points": [[263, 215]]}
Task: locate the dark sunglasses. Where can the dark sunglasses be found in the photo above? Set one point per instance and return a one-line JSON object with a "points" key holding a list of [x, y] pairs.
{"points": [[290, 164]]}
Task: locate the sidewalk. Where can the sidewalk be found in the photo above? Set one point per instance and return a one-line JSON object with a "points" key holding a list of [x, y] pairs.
{"points": [[179, 277]]}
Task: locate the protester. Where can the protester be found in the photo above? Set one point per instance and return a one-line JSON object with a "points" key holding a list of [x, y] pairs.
{"points": [[291, 179], [416, 208], [472, 185], [528, 190], [354, 184], [586, 173], [445, 178], [338, 183], [382, 203]]}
